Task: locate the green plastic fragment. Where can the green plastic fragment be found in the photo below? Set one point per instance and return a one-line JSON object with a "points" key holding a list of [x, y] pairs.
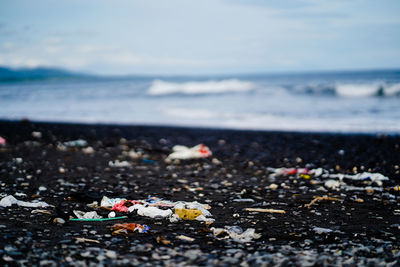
{"points": [[100, 219]]}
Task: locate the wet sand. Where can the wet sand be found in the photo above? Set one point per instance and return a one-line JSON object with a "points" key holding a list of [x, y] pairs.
{"points": [[358, 227]]}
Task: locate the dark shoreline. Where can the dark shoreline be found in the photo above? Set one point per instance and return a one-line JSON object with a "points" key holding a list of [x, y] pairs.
{"points": [[242, 172]]}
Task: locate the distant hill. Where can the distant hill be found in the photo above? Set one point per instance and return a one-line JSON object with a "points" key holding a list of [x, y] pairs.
{"points": [[20, 74]]}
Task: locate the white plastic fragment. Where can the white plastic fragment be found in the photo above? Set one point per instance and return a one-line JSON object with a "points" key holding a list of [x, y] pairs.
{"points": [[184, 152], [8, 201], [243, 200], [151, 212], [107, 202], [111, 214], [86, 215], [332, 184], [236, 233], [119, 164]]}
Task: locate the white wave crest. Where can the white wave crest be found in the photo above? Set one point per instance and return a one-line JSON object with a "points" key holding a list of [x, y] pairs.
{"points": [[358, 90], [159, 87]]}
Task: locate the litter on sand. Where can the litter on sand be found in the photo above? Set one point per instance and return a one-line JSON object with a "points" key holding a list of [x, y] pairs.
{"points": [[265, 210], [10, 200], [154, 207], [184, 152], [236, 233], [126, 228], [316, 199], [86, 215], [99, 219]]}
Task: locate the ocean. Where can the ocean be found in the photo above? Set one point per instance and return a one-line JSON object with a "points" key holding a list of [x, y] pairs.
{"points": [[347, 102]]}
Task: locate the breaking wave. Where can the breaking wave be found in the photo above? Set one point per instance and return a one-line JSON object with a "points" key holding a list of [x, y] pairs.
{"points": [[159, 87], [350, 90]]}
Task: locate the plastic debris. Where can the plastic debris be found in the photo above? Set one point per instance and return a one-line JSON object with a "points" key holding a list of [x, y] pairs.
{"points": [[110, 202], [10, 200], [373, 177], [152, 212], [188, 214], [119, 164], [124, 205], [2, 141], [76, 143], [99, 219], [185, 238], [265, 210], [316, 199], [154, 207], [243, 200], [184, 152], [86, 215], [332, 184], [126, 228], [236, 233]]}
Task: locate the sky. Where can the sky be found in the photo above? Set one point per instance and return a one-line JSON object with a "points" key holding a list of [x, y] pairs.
{"points": [[171, 37]]}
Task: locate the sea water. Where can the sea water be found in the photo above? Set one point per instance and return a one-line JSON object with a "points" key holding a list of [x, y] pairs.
{"points": [[365, 102]]}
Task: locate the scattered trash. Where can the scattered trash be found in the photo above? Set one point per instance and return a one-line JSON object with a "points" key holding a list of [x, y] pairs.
{"points": [[332, 184], [152, 212], [186, 214], [86, 215], [119, 164], [10, 200], [99, 219], [236, 233], [126, 228], [316, 199], [265, 210], [83, 240], [110, 202], [184, 152], [76, 143], [151, 207], [111, 215], [124, 205], [185, 238]]}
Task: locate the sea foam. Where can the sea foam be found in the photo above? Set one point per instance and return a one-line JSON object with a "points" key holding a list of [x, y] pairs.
{"points": [[160, 87]]}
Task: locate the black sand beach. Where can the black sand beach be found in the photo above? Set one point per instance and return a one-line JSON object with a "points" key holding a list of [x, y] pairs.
{"points": [[347, 227]]}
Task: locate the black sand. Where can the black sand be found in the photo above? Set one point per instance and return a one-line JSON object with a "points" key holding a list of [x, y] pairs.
{"points": [[363, 233]]}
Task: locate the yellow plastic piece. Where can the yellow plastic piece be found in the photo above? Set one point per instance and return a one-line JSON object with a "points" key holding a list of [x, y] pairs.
{"points": [[305, 176], [187, 214]]}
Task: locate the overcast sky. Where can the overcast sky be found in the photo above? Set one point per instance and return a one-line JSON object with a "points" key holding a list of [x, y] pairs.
{"points": [[200, 37]]}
